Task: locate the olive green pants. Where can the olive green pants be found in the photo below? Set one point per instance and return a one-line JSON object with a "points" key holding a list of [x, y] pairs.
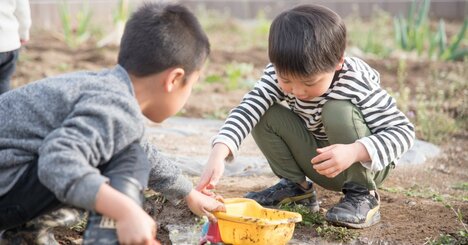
{"points": [[289, 147]]}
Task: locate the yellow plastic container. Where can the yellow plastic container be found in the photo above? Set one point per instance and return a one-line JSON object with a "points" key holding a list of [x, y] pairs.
{"points": [[247, 222]]}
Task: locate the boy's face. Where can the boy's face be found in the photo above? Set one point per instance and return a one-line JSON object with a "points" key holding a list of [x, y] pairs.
{"points": [[306, 88], [181, 93], [162, 95]]}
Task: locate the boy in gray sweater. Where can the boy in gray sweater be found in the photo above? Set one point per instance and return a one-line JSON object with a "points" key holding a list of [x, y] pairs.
{"points": [[78, 139]]}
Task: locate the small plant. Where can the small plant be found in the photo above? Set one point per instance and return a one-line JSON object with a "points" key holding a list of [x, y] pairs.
{"points": [[81, 225], [410, 33], [334, 233], [309, 218], [414, 33], [236, 76], [461, 186], [458, 238], [121, 15], [75, 30], [374, 40], [452, 51]]}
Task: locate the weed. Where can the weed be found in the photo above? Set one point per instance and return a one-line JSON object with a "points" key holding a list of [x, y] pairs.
{"points": [[376, 38], [217, 114], [418, 191], [80, 226], [75, 32], [309, 218], [236, 76], [459, 238], [334, 233], [410, 33], [461, 186], [414, 33]]}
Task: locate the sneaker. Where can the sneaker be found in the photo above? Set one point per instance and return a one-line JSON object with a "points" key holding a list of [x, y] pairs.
{"points": [[358, 209], [37, 231], [285, 192]]}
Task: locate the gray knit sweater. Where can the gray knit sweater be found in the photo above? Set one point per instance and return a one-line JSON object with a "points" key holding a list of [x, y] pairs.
{"points": [[71, 124]]}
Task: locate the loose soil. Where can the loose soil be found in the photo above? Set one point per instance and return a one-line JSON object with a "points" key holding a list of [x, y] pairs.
{"points": [[411, 212]]}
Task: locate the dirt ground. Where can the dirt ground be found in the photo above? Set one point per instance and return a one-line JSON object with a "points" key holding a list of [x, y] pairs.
{"points": [[412, 210]]}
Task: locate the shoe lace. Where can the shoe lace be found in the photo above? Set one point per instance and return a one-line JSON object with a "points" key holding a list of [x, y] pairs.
{"points": [[354, 198]]}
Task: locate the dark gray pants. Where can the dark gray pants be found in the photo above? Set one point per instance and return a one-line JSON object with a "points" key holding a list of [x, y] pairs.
{"points": [[7, 68], [288, 146], [29, 198]]}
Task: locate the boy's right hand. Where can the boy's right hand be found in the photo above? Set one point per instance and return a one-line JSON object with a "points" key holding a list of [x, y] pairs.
{"points": [[214, 169], [133, 224], [136, 227]]}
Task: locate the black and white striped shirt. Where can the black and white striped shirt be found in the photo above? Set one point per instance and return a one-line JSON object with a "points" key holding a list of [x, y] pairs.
{"points": [[356, 82]]}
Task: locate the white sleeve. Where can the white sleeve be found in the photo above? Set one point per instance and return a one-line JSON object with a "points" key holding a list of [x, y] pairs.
{"points": [[23, 14]]}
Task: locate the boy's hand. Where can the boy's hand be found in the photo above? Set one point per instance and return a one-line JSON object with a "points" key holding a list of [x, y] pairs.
{"points": [[334, 159], [136, 227], [203, 205], [214, 169]]}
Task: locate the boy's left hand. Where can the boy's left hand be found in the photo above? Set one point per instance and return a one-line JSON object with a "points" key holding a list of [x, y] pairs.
{"points": [[334, 159]]}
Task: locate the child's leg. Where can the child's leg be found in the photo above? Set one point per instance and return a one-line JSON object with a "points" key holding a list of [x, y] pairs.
{"points": [[286, 143], [28, 212], [288, 146], [7, 68], [28, 199], [344, 124]]}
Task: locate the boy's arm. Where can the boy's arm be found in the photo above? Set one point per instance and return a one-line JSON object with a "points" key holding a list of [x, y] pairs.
{"points": [[23, 15], [133, 224], [165, 176], [393, 134], [243, 118], [90, 135]]}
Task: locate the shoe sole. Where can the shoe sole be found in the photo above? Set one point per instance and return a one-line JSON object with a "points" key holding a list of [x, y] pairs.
{"points": [[373, 217]]}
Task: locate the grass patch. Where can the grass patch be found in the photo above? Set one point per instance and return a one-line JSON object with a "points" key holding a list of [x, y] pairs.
{"points": [[458, 238], [309, 218], [81, 226], [337, 233], [461, 186], [426, 193], [323, 229]]}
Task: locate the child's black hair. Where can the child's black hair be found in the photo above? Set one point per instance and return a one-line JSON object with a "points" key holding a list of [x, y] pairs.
{"points": [[159, 36], [306, 40]]}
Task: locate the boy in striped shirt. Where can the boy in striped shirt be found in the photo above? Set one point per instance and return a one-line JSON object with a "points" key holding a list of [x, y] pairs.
{"points": [[339, 129]]}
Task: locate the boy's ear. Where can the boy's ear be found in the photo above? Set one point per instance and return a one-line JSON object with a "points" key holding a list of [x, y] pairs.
{"points": [[173, 77], [340, 64]]}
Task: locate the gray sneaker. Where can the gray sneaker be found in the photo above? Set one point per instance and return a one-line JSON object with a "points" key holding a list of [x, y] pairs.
{"points": [[37, 231], [285, 192], [358, 209]]}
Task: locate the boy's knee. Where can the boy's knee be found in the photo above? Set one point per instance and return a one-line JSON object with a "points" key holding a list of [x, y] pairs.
{"points": [[338, 113], [275, 112]]}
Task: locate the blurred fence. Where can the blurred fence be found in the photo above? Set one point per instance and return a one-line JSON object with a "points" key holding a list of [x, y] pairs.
{"points": [[45, 12]]}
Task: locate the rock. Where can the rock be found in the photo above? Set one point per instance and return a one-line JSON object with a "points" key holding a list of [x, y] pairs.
{"points": [[419, 153]]}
